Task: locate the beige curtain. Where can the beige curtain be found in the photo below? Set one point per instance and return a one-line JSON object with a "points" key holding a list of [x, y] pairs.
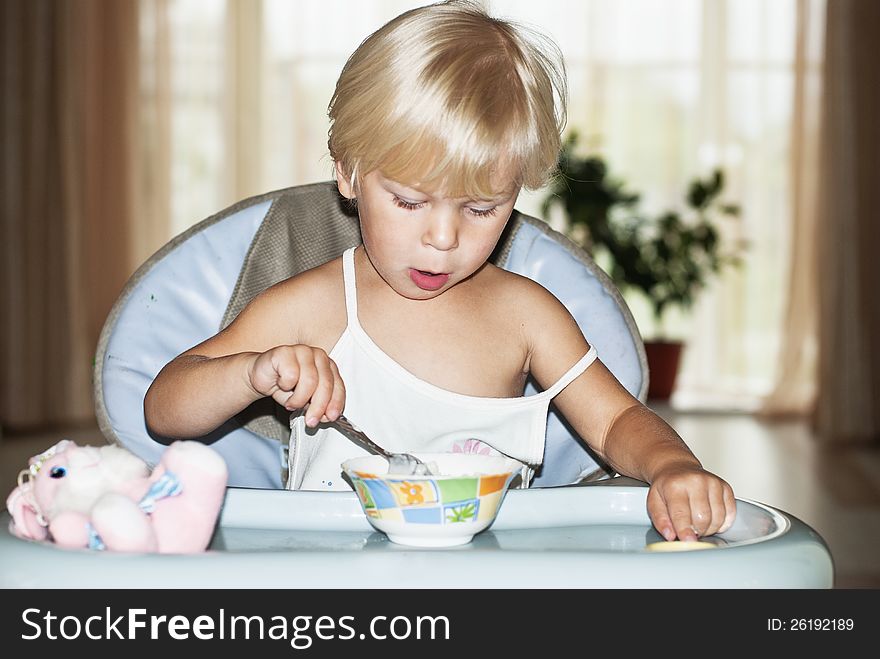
{"points": [[69, 86], [243, 102], [794, 393], [150, 217], [848, 401]]}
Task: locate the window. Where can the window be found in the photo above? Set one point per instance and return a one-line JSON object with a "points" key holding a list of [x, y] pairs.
{"points": [[663, 90]]}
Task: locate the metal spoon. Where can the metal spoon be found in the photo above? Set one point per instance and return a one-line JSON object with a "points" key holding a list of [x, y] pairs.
{"points": [[404, 464]]}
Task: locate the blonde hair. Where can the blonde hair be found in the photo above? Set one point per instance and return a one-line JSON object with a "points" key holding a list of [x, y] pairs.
{"points": [[445, 95]]}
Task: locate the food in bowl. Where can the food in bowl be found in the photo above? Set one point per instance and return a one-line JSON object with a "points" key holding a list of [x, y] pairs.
{"points": [[441, 510]]}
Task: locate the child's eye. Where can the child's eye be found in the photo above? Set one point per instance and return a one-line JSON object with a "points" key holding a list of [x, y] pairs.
{"points": [[407, 205], [482, 212], [57, 472]]}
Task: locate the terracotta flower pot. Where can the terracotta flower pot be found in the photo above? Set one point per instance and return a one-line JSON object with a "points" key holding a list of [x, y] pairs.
{"points": [[663, 360]]}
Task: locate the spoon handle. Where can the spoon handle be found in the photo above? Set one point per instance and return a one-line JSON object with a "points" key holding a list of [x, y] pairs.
{"points": [[346, 425], [398, 463]]}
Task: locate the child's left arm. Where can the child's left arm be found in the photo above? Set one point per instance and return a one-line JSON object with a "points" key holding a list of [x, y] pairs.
{"points": [[684, 500]]}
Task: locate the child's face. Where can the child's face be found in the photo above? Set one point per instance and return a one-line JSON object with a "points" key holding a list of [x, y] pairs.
{"points": [[422, 242]]}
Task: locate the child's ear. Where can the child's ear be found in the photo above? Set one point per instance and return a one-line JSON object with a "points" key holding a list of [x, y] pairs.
{"points": [[343, 182]]}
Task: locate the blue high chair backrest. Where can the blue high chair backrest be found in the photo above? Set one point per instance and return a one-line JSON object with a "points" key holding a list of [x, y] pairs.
{"points": [[198, 282]]}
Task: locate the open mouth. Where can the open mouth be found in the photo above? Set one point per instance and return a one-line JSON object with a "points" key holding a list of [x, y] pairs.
{"points": [[428, 281]]}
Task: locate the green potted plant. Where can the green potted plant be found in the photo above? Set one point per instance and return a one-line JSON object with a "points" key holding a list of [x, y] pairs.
{"points": [[669, 258]]}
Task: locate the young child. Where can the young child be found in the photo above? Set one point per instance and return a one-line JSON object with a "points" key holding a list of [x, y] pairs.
{"points": [[438, 120]]}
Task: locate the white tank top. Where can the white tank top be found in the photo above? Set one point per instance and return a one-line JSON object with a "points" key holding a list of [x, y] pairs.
{"points": [[403, 413]]}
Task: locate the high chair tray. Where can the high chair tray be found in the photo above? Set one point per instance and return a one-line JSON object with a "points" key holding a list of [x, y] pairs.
{"points": [[585, 536]]}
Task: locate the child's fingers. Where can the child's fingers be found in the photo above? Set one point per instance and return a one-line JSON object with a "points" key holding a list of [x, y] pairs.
{"points": [[691, 504], [715, 498], [729, 508], [659, 515], [708, 508], [716, 514], [288, 372], [323, 391], [273, 373], [684, 523], [702, 516], [675, 506], [314, 389], [337, 399], [295, 375], [305, 386], [716, 507]]}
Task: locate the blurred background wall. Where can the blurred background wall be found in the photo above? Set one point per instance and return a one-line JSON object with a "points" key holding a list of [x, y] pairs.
{"points": [[126, 121]]}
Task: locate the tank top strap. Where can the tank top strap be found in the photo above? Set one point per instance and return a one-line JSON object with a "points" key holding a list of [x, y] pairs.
{"points": [[568, 377], [348, 278]]}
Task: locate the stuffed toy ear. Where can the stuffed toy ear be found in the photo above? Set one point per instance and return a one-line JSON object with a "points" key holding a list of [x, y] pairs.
{"points": [[26, 519], [26, 523], [35, 462]]}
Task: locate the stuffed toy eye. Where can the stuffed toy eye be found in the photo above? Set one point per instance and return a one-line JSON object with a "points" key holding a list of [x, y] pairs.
{"points": [[58, 472]]}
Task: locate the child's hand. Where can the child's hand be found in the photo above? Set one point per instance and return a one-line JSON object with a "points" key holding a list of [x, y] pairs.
{"points": [[688, 502], [299, 374]]}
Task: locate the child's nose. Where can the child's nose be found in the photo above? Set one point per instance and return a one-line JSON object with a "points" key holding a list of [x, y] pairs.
{"points": [[442, 231]]}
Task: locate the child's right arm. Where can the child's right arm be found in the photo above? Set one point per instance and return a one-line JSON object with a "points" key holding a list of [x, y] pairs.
{"points": [[252, 358]]}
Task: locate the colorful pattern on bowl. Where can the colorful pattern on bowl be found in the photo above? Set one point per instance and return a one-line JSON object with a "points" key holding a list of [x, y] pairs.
{"points": [[460, 500]]}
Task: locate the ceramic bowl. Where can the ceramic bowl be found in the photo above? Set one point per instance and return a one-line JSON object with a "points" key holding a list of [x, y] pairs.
{"points": [[432, 511]]}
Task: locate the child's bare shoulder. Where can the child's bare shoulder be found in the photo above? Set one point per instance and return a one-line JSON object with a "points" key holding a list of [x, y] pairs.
{"points": [[315, 283], [313, 298], [524, 295], [536, 311]]}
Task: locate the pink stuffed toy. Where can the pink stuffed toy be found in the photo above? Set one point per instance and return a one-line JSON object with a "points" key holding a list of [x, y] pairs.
{"points": [[107, 498]]}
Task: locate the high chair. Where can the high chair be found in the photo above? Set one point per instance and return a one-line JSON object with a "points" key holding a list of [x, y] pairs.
{"points": [[595, 536], [198, 282]]}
